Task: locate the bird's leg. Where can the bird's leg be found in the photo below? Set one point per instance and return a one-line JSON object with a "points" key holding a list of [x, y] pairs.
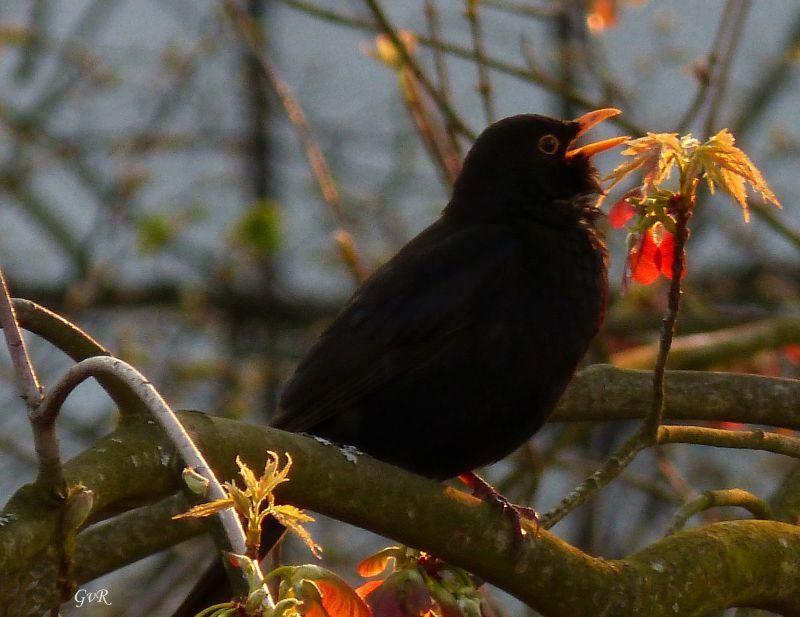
{"points": [[485, 491]]}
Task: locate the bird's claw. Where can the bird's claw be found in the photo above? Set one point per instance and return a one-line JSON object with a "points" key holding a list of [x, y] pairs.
{"points": [[518, 515], [522, 517]]}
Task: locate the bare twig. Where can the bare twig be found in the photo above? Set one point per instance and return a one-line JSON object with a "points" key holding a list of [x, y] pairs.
{"points": [[673, 476], [45, 440], [444, 105], [484, 83], [719, 80], [523, 73], [773, 81], [319, 165], [720, 498], [683, 212], [442, 74], [30, 389], [436, 142], [704, 74], [525, 9]]}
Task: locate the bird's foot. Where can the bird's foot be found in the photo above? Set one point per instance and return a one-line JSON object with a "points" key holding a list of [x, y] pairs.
{"points": [[521, 517]]}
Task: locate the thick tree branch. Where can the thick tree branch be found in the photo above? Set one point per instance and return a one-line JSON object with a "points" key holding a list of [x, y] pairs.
{"points": [[602, 392], [754, 563]]}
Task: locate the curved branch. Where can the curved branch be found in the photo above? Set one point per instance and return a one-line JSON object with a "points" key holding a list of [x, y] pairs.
{"points": [[720, 498], [78, 345], [46, 414], [741, 440], [753, 563]]}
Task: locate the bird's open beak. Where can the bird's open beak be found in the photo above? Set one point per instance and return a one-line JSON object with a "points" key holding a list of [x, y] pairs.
{"points": [[587, 121]]}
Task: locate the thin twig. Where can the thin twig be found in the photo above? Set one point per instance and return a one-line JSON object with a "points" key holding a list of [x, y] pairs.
{"points": [[720, 498], [45, 439], [720, 78], [683, 212], [612, 467], [705, 74], [523, 73], [432, 134], [773, 80], [442, 74], [444, 105], [566, 60], [673, 476], [30, 389], [319, 164], [522, 8], [484, 86]]}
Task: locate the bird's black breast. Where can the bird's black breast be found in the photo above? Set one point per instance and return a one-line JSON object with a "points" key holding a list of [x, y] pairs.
{"points": [[457, 350]]}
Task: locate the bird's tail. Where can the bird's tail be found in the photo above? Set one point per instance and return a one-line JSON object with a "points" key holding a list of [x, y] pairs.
{"points": [[213, 586]]}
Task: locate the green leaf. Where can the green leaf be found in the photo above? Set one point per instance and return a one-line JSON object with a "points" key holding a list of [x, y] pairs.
{"points": [[260, 227], [154, 232]]}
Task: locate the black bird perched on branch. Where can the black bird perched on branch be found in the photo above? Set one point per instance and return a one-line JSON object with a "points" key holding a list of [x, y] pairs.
{"points": [[455, 351], [458, 348]]}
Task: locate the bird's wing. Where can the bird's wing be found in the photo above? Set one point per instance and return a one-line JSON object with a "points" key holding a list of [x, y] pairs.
{"points": [[406, 313]]}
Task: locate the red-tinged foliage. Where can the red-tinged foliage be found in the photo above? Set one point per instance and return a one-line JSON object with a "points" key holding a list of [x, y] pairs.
{"points": [[367, 588], [403, 594], [620, 213], [653, 256], [338, 600], [666, 253], [602, 14], [642, 261], [377, 563], [729, 426], [792, 352]]}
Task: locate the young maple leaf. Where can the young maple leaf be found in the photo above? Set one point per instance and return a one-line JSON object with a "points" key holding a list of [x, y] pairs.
{"points": [[653, 155], [728, 168], [293, 518], [256, 501]]}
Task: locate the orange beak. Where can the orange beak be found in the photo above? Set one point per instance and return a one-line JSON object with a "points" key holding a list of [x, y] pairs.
{"points": [[587, 121]]}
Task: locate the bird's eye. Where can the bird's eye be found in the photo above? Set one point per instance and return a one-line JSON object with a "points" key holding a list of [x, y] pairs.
{"points": [[548, 144]]}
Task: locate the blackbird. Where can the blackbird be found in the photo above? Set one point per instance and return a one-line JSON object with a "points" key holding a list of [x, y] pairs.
{"points": [[455, 351]]}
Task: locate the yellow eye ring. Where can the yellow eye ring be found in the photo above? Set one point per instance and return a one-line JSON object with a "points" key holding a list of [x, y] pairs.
{"points": [[548, 144]]}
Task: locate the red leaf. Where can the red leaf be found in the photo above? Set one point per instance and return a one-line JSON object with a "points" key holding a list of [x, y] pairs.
{"points": [[367, 588], [642, 260], [667, 250], [339, 600], [792, 352], [620, 213]]}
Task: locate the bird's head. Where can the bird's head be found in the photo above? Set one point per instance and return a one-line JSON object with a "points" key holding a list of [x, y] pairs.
{"points": [[530, 164]]}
